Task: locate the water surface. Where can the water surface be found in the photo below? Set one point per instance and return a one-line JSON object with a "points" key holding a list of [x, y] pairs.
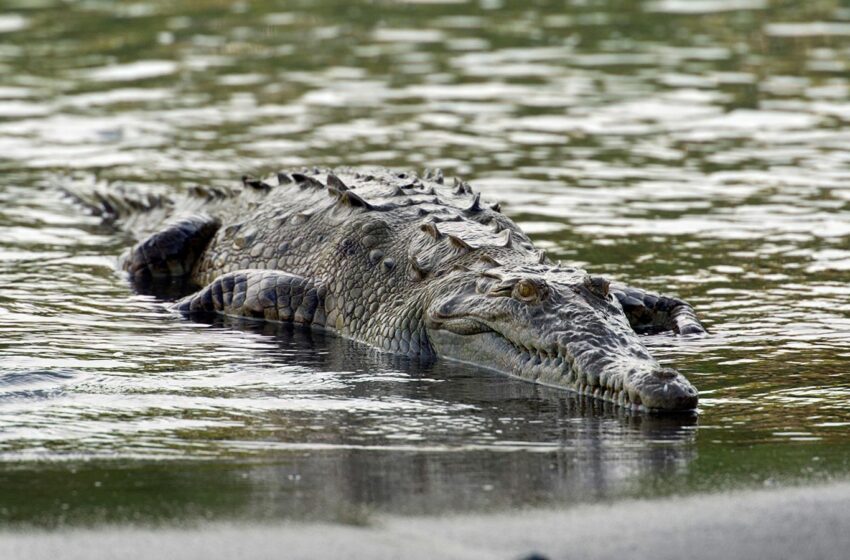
{"points": [[697, 148]]}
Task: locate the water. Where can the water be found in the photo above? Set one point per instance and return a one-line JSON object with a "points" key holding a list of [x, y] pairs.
{"points": [[693, 147]]}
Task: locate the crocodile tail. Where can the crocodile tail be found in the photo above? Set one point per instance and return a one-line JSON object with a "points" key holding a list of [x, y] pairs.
{"points": [[144, 209], [116, 201]]}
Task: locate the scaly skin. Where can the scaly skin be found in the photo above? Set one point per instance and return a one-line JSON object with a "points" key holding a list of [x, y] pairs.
{"points": [[421, 267]]}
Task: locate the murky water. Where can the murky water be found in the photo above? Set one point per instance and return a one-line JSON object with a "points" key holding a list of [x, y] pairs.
{"points": [[698, 148]]}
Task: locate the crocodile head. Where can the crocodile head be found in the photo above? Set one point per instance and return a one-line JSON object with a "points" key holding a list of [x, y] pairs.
{"points": [[556, 326]]}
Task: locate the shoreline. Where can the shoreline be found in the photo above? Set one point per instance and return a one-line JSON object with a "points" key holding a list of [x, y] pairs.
{"points": [[795, 522]]}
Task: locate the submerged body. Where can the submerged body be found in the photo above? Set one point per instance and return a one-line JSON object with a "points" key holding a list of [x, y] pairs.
{"points": [[416, 266]]}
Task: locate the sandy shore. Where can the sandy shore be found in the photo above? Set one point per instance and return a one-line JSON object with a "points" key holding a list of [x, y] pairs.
{"points": [[794, 523]]}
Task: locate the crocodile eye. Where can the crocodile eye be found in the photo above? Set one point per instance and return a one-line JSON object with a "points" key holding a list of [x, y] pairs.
{"points": [[525, 291]]}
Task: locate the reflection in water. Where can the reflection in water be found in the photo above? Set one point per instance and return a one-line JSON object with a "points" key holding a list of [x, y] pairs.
{"points": [[689, 147], [508, 444]]}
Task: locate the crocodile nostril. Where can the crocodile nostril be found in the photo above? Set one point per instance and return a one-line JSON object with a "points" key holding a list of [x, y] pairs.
{"points": [[598, 285], [666, 373]]}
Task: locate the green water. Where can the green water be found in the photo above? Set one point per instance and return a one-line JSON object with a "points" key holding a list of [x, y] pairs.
{"points": [[697, 148]]}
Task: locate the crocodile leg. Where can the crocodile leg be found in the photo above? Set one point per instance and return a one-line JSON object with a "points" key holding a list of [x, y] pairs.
{"points": [[263, 294], [172, 251], [650, 313]]}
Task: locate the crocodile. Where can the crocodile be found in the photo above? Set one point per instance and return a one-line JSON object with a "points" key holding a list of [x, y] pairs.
{"points": [[409, 264]]}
